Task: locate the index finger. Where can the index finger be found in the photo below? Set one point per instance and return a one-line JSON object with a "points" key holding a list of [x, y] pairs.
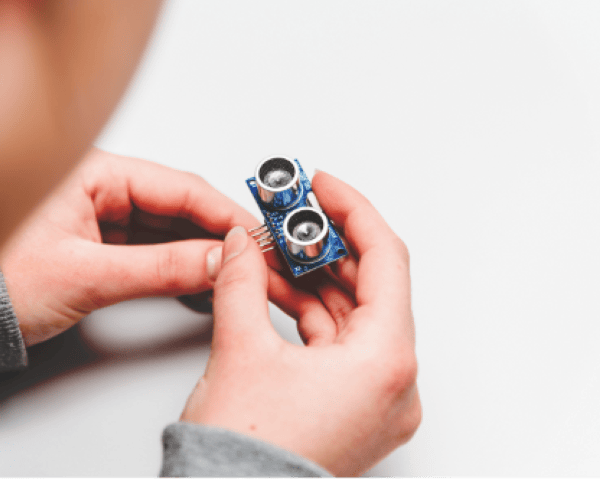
{"points": [[382, 279], [116, 184]]}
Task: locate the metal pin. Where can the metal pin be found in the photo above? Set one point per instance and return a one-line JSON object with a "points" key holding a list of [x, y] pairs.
{"points": [[264, 237], [261, 227], [268, 249], [266, 242], [259, 234]]}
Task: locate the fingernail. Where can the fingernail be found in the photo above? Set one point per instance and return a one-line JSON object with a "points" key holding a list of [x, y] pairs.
{"points": [[235, 243], [213, 263]]}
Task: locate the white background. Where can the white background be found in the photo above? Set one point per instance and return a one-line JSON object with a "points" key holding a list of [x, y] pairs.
{"points": [[472, 126]]}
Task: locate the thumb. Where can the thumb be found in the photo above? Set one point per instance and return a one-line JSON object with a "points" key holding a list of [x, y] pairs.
{"points": [[240, 305]]}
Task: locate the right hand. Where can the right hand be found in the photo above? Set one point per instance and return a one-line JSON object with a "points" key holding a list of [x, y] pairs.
{"points": [[347, 398]]}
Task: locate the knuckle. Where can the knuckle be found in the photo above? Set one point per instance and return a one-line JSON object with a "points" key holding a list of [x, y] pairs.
{"points": [[409, 420], [95, 157], [362, 212], [393, 372], [414, 417], [366, 204], [417, 415], [340, 313], [105, 162], [101, 168], [232, 279], [186, 205], [402, 250], [194, 177], [228, 217], [169, 267], [401, 375]]}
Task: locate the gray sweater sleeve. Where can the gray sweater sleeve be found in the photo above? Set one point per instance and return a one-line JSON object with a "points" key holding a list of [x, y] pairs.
{"points": [[13, 355], [191, 450]]}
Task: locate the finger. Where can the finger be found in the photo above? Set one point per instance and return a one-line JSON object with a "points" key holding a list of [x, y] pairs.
{"points": [[315, 324], [382, 278], [338, 302], [361, 223], [123, 272], [175, 227], [114, 234], [186, 229], [344, 271], [334, 297], [145, 228], [241, 314], [116, 184], [150, 220]]}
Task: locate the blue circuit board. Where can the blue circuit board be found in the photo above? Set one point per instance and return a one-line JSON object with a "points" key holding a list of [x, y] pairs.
{"points": [[333, 250]]}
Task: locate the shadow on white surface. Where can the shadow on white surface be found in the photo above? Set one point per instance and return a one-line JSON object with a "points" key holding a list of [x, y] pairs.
{"points": [[134, 330]]}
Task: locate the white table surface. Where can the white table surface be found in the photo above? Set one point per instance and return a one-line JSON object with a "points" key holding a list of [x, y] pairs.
{"points": [[472, 126]]}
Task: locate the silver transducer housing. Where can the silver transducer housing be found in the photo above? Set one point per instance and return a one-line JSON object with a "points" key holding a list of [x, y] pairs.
{"points": [[278, 182], [306, 230]]}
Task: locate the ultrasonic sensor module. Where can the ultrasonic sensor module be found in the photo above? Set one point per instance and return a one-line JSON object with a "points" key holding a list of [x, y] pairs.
{"points": [[294, 220]]}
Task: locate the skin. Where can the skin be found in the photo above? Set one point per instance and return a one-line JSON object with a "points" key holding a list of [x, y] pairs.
{"points": [[117, 228]]}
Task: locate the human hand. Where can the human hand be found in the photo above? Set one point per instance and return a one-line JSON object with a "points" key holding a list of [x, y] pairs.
{"points": [[57, 268], [347, 398]]}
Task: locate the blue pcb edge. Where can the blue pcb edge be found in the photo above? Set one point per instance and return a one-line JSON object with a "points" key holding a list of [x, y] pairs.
{"points": [[335, 248]]}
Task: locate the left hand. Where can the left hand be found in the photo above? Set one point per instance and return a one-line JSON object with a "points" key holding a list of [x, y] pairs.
{"points": [[70, 258]]}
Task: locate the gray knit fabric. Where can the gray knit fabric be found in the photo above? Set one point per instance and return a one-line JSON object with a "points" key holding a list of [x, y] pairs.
{"points": [[191, 450], [13, 355]]}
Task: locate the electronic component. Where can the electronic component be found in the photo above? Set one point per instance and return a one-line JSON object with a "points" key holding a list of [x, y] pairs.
{"points": [[293, 217]]}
